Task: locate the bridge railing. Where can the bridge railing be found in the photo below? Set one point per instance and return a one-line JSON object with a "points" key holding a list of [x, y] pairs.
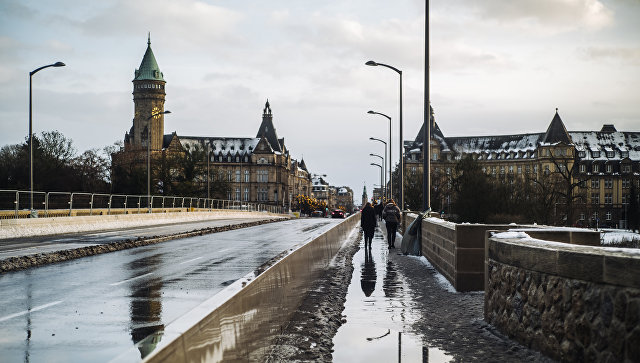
{"points": [[16, 204]]}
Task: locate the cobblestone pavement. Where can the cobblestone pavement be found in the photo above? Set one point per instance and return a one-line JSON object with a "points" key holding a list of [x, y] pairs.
{"points": [[412, 314], [383, 306]]}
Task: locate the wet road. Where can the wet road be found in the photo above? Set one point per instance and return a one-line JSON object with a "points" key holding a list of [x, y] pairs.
{"points": [[30, 245], [93, 308]]}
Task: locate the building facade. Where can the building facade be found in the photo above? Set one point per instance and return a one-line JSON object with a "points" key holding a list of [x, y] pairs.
{"points": [[597, 168], [256, 169]]}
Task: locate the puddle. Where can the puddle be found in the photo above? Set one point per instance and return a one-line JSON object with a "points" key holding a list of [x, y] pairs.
{"points": [[379, 313]]}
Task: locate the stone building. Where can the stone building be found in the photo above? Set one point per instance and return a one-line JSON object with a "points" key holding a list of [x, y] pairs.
{"points": [[602, 165], [344, 198], [257, 169]]}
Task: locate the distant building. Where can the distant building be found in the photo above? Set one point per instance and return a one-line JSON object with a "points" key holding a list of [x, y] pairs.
{"points": [[365, 198], [320, 190], [604, 164], [344, 198], [257, 169]]}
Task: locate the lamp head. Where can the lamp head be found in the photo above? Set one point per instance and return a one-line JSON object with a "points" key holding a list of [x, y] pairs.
{"points": [[59, 64], [167, 111], [371, 112], [371, 63]]}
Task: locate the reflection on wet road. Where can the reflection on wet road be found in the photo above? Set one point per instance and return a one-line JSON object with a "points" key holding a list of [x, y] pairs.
{"points": [[94, 308], [378, 314]]}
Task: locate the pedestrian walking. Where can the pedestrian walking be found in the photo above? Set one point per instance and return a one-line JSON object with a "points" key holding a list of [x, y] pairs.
{"points": [[368, 223], [379, 207], [392, 216]]}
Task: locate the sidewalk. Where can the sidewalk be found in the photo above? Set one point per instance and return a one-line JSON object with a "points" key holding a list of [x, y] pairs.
{"points": [[399, 308]]}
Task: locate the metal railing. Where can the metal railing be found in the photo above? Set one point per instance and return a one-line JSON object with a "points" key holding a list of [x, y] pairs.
{"points": [[15, 204]]}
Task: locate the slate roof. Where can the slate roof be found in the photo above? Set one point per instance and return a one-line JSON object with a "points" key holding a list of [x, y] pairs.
{"points": [[149, 69]]}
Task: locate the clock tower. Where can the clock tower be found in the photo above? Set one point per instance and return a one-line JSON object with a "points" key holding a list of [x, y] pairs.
{"points": [[148, 99]]}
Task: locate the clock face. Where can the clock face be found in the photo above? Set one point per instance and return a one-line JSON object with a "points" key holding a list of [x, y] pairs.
{"points": [[156, 112]]}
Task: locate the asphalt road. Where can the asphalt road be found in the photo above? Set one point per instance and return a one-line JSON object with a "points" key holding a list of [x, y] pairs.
{"points": [[92, 309]]}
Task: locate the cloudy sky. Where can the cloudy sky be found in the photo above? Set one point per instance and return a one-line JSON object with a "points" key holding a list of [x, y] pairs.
{"points": [[497, 67]]}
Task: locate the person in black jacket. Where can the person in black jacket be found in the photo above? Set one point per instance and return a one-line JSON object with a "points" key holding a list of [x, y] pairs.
{"points": [[368, 223], [378, 208], [392, 216]]}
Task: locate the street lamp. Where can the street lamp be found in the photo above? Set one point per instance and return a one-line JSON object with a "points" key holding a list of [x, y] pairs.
{"points": [[385, 172], [426, 144], [380, 166], [56, 64], [372, 63], [156, 114], [385, 151], [390, 178]]}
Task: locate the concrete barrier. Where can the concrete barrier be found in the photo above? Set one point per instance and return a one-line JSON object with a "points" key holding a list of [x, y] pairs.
{"points": [[457, 251], [240, 322], [574, 303], [12, 228]]}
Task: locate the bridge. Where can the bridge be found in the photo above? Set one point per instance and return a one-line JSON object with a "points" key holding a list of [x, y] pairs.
{"points": [[209, 284]]}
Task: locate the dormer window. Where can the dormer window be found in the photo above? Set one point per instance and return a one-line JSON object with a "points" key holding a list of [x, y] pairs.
{"points": [[595, 153], [582, 154], [610, 154], [624, 154]]}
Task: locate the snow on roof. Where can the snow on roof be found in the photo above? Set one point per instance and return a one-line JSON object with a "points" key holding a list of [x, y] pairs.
{"points": [[607, 141], [221, 145], [466, 145]]}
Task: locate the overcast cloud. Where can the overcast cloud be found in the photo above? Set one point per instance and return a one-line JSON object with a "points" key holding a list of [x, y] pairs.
{"points": [[497, 67]]}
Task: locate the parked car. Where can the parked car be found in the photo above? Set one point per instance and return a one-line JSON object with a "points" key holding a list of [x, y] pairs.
{"points": [[338, 213], [316, 213]]}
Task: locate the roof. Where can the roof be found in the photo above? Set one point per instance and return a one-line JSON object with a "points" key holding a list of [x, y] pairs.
{"points": [[221, 145], [595, 144], [556, 132], [268, 130], [149, 69]]}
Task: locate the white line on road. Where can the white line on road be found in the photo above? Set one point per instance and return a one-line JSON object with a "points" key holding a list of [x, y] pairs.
{"points": [[30, 311], [127, 280], [197, 258]]}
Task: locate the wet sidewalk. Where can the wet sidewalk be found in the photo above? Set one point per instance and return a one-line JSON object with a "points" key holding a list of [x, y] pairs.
{"points": [[400, 309]]}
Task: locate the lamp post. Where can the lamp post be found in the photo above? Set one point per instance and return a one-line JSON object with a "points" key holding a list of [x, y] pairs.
{"points": [[157, 114], [372, 63], [380, 166], [384, 186], [385, 151], [390, 178], [426, 144], [56, 64]]}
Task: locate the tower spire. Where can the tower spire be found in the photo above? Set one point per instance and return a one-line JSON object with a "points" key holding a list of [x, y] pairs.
{"points": [[149, 38]]}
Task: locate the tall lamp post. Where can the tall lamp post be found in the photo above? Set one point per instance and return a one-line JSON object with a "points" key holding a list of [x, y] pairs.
{"points": [[390, 178], [383, 186], [56, 64], [156, 114], [390, 148], [380, 166], [372, 63], [426, 144]]}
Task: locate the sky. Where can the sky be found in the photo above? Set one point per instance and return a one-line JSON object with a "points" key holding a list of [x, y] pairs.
{"points": [[497, 67]]}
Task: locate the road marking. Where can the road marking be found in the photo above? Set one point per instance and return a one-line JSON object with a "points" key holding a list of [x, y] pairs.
{"points": [[30, 311], [127, 280], [197, 258]]}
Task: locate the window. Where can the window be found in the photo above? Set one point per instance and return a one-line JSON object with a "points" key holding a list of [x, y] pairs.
{"points": [[493, 170], [519, 169], [583, 168], [448, 171], [626, 168], [608, 183], [595, 168], [582, 154], [610, 154], [546, 170], [582, 216], [608, 216], [608, 199], [263, 176], [595, 153], [502, 169], [624, 154], [594, 216], [535, 169], [595, 184], [246, 176], [510, 169], [246, 193], [237, 159], [413, 170], [229, 175], [238, 178], [609, 168], [275, 195], [595, 198], [434, 156], [625, 199], [626, 183], [262, 194], [527, 169], [237, 193]]}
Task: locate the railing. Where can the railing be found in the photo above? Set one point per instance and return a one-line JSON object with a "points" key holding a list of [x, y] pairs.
{"points": [[15, 204]]}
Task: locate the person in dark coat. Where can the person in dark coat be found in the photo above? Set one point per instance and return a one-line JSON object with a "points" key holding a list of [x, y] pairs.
{"points": [[392, 217], [379, 207], [368, 223]]}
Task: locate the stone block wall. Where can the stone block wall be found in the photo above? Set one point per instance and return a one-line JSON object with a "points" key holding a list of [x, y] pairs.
{"points": [[573, 303]]}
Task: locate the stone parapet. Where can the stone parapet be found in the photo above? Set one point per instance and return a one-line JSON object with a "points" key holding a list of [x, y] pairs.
{"points": [[574, 303]]}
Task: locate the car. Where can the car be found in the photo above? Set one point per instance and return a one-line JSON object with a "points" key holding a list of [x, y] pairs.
{"points": [[338, 213], [317, 213]]}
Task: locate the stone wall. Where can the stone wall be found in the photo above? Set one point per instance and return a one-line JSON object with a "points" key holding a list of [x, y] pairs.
{"points": [[573, 303]]}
